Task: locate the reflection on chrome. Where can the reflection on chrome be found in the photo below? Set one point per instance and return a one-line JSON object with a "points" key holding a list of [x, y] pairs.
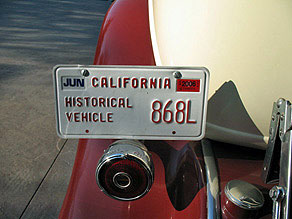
{"points": [[125, 171], [213, 203]]}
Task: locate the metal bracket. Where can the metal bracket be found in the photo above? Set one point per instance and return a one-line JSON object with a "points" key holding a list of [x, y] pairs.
{"points": [[278, 158]]}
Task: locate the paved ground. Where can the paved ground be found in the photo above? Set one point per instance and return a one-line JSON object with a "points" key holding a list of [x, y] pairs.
{"points": [[35, 165]]}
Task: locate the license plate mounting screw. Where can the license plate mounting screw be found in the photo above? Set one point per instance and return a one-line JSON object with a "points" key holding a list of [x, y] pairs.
{"points": [[85, 72], [177, 74]]}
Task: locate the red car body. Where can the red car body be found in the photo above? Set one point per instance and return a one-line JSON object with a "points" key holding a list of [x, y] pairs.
{"points": [[181, 178]]}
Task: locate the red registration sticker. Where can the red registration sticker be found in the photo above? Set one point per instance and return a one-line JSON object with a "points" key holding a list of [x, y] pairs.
{"points": [[188, 85]]}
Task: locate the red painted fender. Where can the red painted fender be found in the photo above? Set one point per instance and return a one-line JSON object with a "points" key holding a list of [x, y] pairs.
{"points": [[125, 36], [124, 40]]}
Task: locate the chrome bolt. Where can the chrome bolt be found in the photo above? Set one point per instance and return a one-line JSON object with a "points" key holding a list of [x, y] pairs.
{"points": [[282, 117], [280, 102], [85, 72], [277, 193], [177, 74], [281, 131], [273, 117]]}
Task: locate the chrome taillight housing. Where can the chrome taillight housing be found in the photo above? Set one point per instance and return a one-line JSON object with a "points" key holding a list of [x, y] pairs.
{"points": [[125, 171]]}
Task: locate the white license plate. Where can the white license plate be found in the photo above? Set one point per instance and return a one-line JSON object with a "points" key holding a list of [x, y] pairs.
{"points": [[131, 102]]}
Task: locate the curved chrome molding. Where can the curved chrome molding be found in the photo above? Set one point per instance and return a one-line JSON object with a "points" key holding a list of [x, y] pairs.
{"points": [[153, 33], [213, 201]]}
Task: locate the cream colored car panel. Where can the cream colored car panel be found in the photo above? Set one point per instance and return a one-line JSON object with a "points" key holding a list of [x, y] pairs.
{"points": [[245, 44]]}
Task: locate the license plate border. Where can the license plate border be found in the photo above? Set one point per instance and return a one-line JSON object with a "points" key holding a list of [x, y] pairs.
{"points": [[137, 137]]}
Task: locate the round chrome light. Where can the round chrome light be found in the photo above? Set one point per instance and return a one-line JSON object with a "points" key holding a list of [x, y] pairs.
{"points": [[125, 171]]}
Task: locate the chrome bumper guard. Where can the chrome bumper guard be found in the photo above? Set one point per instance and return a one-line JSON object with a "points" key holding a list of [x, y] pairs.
{"points": [[278, 158]]}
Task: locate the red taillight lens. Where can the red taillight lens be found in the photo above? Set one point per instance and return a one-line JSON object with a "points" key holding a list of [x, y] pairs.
{"points": [[123, 178], [125, 171]]}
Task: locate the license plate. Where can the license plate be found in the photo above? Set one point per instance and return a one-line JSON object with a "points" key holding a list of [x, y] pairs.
{"points": [[131, 102]]}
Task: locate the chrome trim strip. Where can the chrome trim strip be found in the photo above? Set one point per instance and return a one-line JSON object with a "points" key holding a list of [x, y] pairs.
{"points": [[213, 201], [286, 155], [153, 33]]}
